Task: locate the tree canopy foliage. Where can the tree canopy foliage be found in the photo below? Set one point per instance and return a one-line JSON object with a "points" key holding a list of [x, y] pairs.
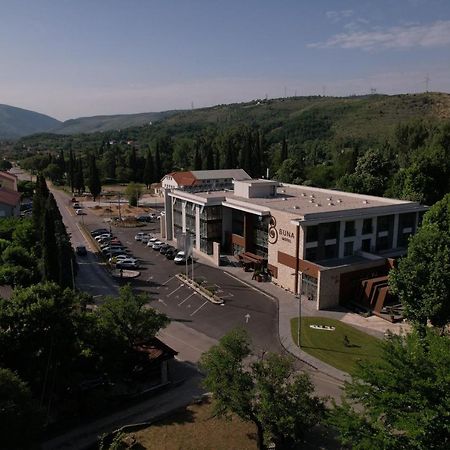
{"points": [[405, 397], [422, 278], [267, 392]]}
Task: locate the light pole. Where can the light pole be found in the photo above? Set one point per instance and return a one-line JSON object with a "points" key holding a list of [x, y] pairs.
{"points": [[299, 309]]}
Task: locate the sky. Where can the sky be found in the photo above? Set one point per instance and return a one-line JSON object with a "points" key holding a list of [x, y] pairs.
{"points": [[72, 58]]}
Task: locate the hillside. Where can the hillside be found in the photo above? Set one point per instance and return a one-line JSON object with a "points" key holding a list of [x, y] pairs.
{"points": [[18, 122], [106, 123]]}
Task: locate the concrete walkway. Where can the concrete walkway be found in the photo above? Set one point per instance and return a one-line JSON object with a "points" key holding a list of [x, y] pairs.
{"points": [[288, 308]]}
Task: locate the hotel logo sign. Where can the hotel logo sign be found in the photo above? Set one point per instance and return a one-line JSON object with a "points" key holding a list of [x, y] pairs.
{"points": [[274, 233]]}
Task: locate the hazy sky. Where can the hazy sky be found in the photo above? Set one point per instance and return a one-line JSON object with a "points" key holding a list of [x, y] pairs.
{"points": [[70, 58]]}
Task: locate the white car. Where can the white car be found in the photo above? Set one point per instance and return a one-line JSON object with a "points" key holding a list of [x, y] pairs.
{"points": [[157, 245], [120, 258], [151, 241], [127, 264], [145, 238], [103, 236], [180, 258], [80, 212], [139, 236]]}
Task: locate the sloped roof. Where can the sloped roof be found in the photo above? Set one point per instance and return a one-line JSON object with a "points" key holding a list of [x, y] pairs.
{"points": [[9, 197], [183, 178], [235, 174], [11, 176]]}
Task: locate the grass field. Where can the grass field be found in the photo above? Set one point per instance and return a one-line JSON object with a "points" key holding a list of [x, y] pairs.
{"points": [[195, 428], [330, 347]]}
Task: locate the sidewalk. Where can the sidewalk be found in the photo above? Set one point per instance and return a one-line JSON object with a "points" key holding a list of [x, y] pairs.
{"points": [[288, 308]]}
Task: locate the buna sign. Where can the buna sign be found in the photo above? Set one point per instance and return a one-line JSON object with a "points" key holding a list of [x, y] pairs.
{"points": [[274, 232], [286, 235]]}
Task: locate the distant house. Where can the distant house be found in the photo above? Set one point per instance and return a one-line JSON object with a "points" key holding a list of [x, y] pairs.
{"points": [[152, 360], [8, 180], [9, 196]]}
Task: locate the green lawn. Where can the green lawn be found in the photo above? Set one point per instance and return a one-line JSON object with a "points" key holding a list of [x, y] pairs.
{"points": [[329, 346]]}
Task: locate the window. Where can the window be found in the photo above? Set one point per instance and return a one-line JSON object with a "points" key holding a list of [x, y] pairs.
{"points": [[349, 228], [311, 254], [330, 230], [367, 226], [348, 248], [238, 222], [331, 251], [384, 223], [312, 233], [365, 245]]}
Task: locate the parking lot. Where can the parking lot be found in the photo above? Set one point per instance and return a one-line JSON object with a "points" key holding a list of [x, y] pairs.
{"points": [[243, 306]]}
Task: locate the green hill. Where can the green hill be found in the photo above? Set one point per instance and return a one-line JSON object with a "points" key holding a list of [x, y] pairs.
{"points": [[106, 123], [18, 122]]}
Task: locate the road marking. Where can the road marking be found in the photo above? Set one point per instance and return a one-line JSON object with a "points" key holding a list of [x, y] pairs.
{"points": [[247, 317], [249, 285], [160, 300], [171, 278], [187, 298], [199, 308], [173, 292]]}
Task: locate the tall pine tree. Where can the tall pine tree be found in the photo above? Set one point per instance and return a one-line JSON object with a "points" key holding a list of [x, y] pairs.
{"points": [[157, 162], [148, 169], [95, 185], [79, 177]]}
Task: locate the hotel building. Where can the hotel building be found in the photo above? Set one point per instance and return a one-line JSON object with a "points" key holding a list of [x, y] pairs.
{"points": [[319, 242]]}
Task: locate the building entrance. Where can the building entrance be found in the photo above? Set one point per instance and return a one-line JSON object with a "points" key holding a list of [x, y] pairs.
{"points": [[308, 286]]}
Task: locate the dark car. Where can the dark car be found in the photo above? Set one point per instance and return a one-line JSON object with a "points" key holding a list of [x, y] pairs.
{"points": [[81, 250], [143, 218], [99, 231], [170, 254], [164, 248]]}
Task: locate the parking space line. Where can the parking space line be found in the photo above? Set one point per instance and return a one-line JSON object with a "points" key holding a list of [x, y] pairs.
{"points": [[188, 297], [199, 308], [173, 292], [171, 278]]}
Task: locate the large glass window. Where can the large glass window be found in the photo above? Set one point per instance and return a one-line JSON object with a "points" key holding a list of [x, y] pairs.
{"points": [[330, 230], [312, 233], [348, 248], [238, 222], [331, 251], [210, 228], [260, 235], [349, 228], [311, 254], [406, 227], [367, 226]]}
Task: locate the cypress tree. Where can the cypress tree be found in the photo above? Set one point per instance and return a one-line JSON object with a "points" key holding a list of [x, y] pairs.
{"points": [[284, 151], [148, 169], [79, 177], [50, 254], [158, 168], [40, 196], [132, 164], [197, 159], [95, 186], [208, 162], [71, 171]]}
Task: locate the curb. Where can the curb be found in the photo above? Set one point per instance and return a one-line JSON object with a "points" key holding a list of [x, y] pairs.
{"points": [[199, 291]]}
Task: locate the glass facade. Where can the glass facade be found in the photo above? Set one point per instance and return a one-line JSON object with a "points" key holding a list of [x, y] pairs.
{"points": [[210, 228], [177, 218], [406, 227], [237, 222], [349, 228], [260, 235]]}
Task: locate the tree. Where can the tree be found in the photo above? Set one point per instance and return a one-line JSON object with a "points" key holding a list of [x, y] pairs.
{"points": [[404, 397], [95, 186], [79, 177], [422, 278], [134, 192], [39, 199], [157, 162], [148, 169], [268, 392], [284, 151], [71, 170], [20, 418], [5, 164], [124, 322]]}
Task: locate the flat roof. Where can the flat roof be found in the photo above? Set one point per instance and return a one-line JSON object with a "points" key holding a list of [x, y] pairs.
{"points": [[307, 204], [236, 174]]}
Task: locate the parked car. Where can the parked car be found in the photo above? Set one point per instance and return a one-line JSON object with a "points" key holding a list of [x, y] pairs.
{"points": [[145, 238], [98, 231], [77, 206], [139, 236], [164, 248], [157, 245], [127, 264], [122, 257], [81, 250], [151, 241], [108, 249], [102, 236], [80, 212], [180, 258], [144, 219], [170, 254], [116, 252]]}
